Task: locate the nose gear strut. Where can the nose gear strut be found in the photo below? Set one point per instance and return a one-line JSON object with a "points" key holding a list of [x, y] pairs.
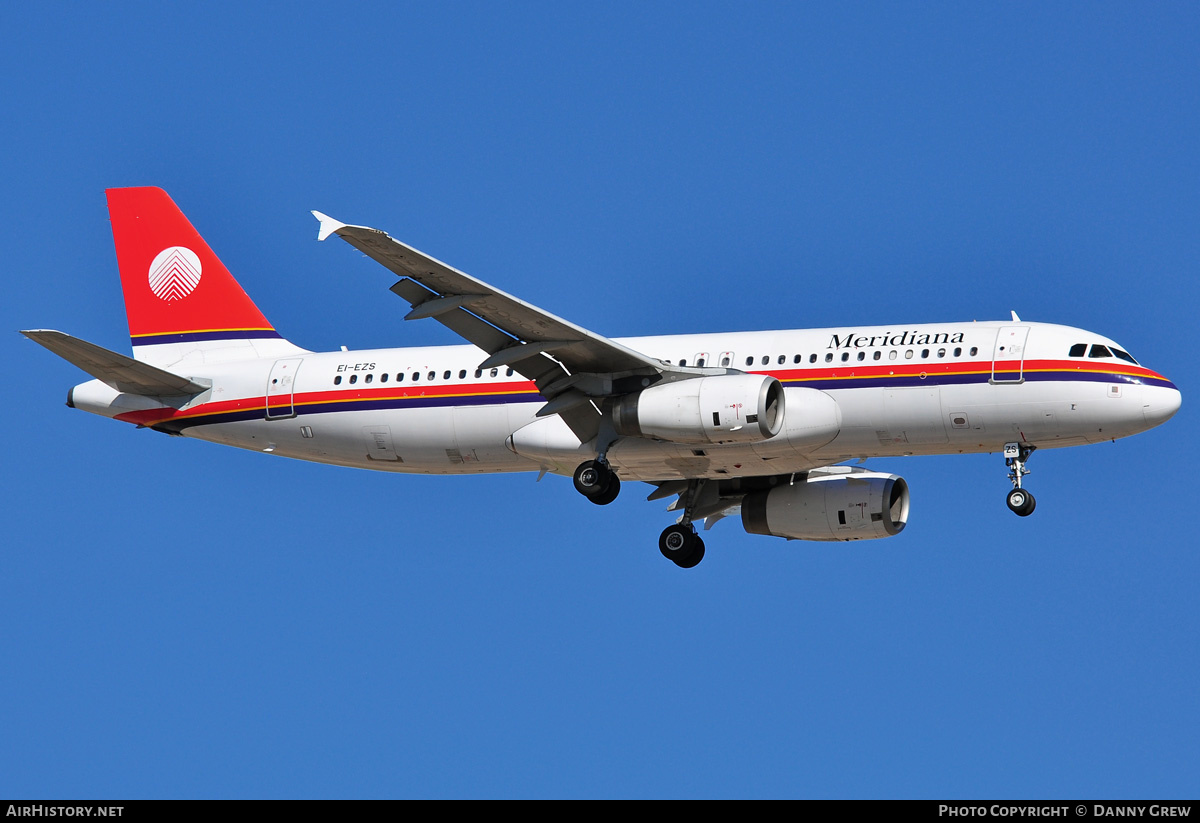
{"points": [[1020, 501]]}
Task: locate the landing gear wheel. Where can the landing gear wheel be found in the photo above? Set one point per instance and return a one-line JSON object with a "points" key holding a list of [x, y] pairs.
{"points": [[681, 545], [610, 491], [696, 556], [592, 478], [1021, 502]]}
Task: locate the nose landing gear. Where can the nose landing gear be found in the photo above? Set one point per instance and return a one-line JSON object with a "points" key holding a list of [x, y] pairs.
{"points": [[1020, 501]]}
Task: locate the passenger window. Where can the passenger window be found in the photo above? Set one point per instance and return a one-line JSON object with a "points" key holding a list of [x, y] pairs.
{"points": [[958, 352], [908, 354], [877, 355], [862, 355], [766, 359], [812, 358], [700, 362], [749, 361], [1078, 350], [893, 354], [683, 362], [941, 352], [383, 377], [462, 374], [353, 379], [845, 356], [446, 374], [399, 377], [974, 351], [416, 376], [725, 361], [782, 359], [370, 377], [478, 373], [924, 353], [337, 381], [508, 373], [829, 357], [494, 372], [798, 358], [1099, 351]]}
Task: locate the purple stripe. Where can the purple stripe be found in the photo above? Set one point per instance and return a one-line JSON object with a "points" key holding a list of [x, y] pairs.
{"points": [[366, 404], [375, 404], [197, 336]]}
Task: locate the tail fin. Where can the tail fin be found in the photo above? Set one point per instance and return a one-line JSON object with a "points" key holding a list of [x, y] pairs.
{"points": [[179, 297]]}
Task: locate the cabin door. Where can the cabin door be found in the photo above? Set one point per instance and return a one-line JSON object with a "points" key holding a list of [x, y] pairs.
{"points": [[1008, 356], [281, 386]]}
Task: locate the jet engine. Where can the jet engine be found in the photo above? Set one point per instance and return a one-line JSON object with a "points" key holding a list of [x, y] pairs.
{"points": [[728, 408], [855, 506]]}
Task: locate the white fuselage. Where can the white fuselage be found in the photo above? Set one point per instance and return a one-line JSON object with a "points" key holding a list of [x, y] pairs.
{"points": [[850, 393]]}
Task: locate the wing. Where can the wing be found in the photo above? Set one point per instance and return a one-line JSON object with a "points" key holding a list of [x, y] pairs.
{"points": [[572, 367]]}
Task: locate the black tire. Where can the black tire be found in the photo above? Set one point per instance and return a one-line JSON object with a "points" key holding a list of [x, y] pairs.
{"points": [[610, 491], [695, 557], [681, 545], [676, 541], [591, 478], [1030, 505], [1021, 502]]}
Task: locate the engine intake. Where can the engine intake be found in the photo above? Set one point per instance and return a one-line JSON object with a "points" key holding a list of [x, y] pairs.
{"points": [[858, 506], [729, 408]]}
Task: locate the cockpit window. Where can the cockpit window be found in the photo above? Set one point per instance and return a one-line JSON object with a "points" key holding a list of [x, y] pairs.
{"points": [[1126, 356], [1099, 351], [1078, 350]]}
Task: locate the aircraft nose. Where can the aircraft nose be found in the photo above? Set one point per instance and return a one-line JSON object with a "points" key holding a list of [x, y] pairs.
{"points": [[1160, 405]]}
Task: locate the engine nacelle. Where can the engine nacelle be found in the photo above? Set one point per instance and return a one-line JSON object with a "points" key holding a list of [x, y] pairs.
{"points": [[856, 506], [727, 408]]}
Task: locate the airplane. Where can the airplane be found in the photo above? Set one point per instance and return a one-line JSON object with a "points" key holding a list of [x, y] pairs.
{"points": [[769, 425]]}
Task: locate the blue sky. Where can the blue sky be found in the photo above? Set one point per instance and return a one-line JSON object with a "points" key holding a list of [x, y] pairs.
{"points": [[179, 619]]}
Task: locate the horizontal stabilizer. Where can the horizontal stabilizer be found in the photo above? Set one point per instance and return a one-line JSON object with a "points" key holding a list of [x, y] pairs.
{"points": [[122, 373]]}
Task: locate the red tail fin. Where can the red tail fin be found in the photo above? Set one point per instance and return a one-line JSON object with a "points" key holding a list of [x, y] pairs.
{"points": [[176, 289]]}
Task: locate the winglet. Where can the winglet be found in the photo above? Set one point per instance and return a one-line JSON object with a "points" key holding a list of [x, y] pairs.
{"points": [[328, 225], [1015, 318]]}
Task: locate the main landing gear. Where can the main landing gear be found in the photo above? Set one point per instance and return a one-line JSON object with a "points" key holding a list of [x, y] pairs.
{"points": [[681, 545], [596, 481], [1020, 501]]}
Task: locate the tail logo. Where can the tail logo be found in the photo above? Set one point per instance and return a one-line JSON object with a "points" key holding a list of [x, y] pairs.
{"points": [[175, 273]]}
